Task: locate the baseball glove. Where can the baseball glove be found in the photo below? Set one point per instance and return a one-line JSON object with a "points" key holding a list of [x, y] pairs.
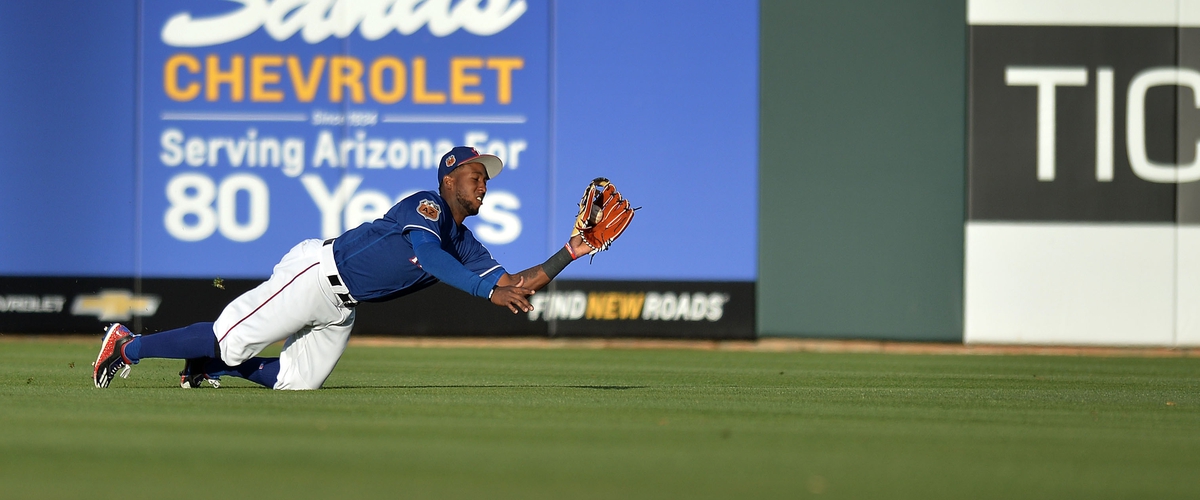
{"points": [[603, 215]]}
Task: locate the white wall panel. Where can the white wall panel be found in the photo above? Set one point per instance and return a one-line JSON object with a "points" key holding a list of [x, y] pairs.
{"points": [[1084, 12], [1064, 283], [1188, 287]]}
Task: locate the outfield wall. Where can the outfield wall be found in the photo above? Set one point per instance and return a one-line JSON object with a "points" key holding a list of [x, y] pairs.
{"points": [[990, 171], [152, 150], [862, 153], [1074, 123], [1083, 162]]}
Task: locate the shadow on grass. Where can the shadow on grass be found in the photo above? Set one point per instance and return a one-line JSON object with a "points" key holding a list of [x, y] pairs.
{"points": [[491, 386], [460, 386]]}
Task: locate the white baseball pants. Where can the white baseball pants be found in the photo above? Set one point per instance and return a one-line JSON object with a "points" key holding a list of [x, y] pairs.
{"points": [[296, 303]]}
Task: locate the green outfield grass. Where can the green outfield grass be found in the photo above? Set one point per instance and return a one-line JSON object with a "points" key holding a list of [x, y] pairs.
{"points": [[576, 423]]}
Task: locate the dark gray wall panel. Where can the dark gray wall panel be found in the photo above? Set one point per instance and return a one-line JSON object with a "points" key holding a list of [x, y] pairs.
{"points": [[861, 169]]}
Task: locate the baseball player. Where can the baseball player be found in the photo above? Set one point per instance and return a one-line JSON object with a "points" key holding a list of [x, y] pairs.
{"points": [[309, 299]]}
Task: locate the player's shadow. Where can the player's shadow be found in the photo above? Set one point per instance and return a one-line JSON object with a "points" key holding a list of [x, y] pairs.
{"points": [[489, 386]]}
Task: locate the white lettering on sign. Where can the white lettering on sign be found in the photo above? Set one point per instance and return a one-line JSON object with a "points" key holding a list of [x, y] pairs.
{"points": [[607, 306], [345, 206], [499, 216], [192, 217], [250, 150], [509, 152], [1135, 131], [330, 202], [689, 307], [317, 20], [32, 303], [558, 305], [1047, 79], [1104, 124]]}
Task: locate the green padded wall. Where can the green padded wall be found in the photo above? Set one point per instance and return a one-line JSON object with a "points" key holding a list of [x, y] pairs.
{"points": [[862, 154]]}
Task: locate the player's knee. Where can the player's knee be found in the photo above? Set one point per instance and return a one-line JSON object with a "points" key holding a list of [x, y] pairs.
{"points": [[234, 357], [302, 385]]}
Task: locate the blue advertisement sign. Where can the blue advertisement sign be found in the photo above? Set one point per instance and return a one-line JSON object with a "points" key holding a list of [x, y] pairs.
{"points": [[191, 139], [265, 123]]}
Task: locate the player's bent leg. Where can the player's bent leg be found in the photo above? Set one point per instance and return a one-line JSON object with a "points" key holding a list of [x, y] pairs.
{"points": [[194, 375], [308, 358], [192, 341], [290, 301], [260, 370], [121, 349]]}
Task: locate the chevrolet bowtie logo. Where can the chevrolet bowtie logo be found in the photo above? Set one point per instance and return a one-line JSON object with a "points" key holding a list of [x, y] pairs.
{"points": [[115, 305]]}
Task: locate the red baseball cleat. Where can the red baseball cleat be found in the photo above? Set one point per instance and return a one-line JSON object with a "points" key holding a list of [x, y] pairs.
{"points": [[112, 358]]}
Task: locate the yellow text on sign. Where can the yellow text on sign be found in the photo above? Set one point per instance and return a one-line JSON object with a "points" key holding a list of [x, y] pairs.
{"points": [[385, 80], [614, 305]]}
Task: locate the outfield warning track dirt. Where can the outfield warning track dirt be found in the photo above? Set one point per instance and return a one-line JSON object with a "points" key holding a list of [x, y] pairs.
{"points": [[760, 345]]}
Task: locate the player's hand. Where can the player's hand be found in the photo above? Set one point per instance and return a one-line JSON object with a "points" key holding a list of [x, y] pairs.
{"points": [[515, 297], [579, 247]]}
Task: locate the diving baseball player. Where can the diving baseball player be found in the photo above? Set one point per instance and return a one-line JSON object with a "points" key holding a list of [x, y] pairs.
{"points": [[309, 299]]}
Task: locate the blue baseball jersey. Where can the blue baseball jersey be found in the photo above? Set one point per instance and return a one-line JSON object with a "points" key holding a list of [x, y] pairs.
{"points": [[377, 261]]}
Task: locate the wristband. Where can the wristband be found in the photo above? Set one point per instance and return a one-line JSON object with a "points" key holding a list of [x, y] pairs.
{"points": [[557, 262]]}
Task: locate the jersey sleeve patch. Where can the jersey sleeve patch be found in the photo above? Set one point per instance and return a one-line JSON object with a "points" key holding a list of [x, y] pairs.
{"points": [[429, 210]]}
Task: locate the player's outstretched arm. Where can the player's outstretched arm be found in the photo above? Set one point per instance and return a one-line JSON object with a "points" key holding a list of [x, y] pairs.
{"points": [[603, 216], [540, 275], [449, 270], [514, 296]]}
